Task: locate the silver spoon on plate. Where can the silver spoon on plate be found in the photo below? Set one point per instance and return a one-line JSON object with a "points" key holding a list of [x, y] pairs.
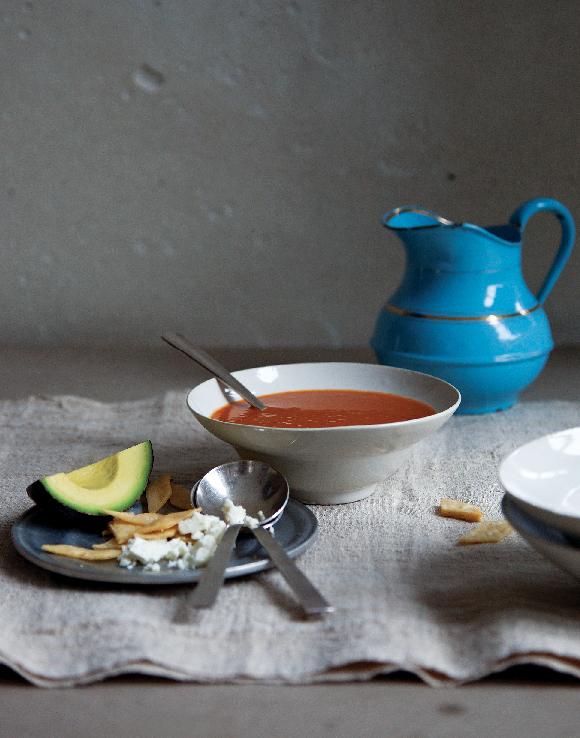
{"points": [[263, 493], [208, 362]]}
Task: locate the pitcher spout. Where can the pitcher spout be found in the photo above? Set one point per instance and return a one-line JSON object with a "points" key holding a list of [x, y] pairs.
{"points": [[411, 216]]}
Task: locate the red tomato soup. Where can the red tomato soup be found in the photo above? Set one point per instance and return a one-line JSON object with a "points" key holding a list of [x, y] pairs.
{"points": [[324, 409]]}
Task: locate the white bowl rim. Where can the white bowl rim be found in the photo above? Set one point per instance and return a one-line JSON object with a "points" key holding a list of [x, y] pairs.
{"points": [[341, 428], [531, 500]]}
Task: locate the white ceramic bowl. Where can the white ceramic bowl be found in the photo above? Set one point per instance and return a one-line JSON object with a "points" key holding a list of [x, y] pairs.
{"points": [[550, 542], [543, 478], [328, 465]]}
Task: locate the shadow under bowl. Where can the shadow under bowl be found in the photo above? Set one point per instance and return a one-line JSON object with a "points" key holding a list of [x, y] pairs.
{"points": [[558, 547]]}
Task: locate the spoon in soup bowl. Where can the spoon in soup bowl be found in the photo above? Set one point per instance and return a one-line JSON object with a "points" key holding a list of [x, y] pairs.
{"points": [[263, 493], [208, 362]]}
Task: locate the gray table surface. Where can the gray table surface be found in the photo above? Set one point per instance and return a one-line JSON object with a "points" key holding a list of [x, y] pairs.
{"points": [[524, 701]]}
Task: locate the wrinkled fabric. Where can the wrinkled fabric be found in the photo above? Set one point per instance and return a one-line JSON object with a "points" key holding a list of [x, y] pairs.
{"points": [[407, 596]]}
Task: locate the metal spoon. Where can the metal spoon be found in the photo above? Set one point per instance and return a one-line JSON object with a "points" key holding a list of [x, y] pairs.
{"points": [[237, 480], [182, 344], [258, 488]]}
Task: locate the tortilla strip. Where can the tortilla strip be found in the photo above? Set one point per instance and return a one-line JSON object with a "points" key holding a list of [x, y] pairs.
{"points": [[76, 552], [134, 518], [180, 497], [167, 521], [461, 511], [158, 534], [491, 531], [158, 492]]}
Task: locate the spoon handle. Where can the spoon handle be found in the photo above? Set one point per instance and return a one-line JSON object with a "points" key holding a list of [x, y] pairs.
{"points": [[208, 585], [311, 599], [207, 362]]}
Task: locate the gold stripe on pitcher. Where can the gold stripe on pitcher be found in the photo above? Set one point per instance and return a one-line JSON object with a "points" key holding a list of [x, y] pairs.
{"points": [[491, 318]]}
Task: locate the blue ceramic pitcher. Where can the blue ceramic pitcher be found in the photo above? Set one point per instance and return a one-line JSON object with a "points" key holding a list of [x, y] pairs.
{"points": [[463, 311]]}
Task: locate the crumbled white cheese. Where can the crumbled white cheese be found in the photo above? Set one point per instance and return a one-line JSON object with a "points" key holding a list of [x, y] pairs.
{"points": [[199, 525], [141, 551], [206, 532], [236, 515]]}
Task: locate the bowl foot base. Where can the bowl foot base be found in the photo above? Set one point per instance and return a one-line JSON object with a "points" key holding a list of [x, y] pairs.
{"points": [[338, 497]]}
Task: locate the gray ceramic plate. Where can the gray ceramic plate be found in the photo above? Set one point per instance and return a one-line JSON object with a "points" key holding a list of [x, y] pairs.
{"points": [[296, 531]]}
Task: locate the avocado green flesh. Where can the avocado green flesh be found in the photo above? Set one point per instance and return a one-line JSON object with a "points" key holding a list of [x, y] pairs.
{"points": [[113, 483]]}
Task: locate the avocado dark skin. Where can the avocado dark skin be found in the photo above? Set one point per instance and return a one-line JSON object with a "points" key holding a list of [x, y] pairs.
{"points": [[63, 514]]}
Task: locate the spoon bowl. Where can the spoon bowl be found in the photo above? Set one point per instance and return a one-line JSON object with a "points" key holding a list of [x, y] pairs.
{"points": [[257, 487]]}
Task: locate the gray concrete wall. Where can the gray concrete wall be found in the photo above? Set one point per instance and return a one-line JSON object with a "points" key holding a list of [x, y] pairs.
{"points": [[220, 167]]}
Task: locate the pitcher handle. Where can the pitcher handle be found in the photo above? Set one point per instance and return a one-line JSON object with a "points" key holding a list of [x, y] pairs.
{"points": [[521, 216]]}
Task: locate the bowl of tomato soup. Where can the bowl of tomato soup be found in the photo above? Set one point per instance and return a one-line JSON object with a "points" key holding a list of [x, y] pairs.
{"points": [[334, 430]]}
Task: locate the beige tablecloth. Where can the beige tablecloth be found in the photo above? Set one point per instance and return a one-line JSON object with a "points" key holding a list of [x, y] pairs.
{"points": [[407, 596]]}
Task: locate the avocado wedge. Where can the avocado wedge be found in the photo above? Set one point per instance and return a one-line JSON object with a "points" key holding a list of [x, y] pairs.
{"points": [[114, 483]]}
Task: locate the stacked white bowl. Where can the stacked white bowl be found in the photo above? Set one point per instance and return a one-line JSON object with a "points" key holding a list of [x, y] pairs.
{"points": [[542, 499]]}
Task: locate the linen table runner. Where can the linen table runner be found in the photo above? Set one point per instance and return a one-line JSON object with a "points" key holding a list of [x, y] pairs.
{"points": [[407, 596]]}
